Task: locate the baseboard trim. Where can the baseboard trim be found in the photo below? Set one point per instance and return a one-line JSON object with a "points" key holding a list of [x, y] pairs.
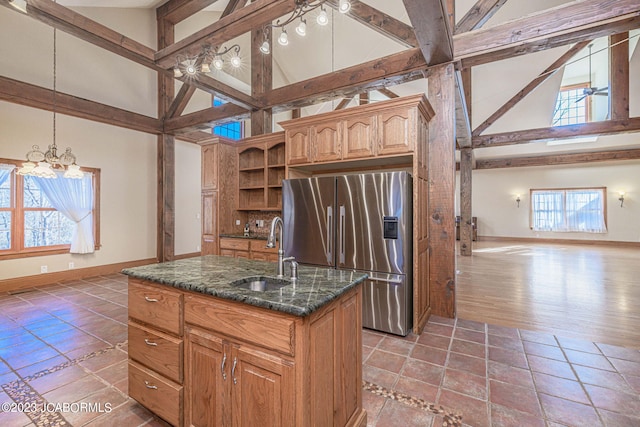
{"points": [[16, 283], [183, 256], [559, 241]]}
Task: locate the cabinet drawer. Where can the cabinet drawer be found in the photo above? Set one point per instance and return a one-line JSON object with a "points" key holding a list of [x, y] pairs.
{"points": [[160, 395], [265, 329], [261, 246], [161, 308], [156, 350], [237, 244]]}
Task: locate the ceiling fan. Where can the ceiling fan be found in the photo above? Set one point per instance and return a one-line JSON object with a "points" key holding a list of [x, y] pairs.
{"points": [[591, 90]]}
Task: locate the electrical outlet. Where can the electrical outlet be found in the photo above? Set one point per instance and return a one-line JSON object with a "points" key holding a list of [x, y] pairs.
{"points": [[197, 216], [43, 269], [261, 223], [237, 222], [198, 248], [71, 266]]}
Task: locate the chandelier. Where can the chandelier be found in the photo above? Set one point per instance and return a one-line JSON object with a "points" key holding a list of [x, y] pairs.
{"points": [[210, 58], [44, 164], [302, 8]]}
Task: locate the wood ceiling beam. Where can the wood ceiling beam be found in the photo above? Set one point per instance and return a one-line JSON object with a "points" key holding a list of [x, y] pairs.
{"points": [[242, 21], [196, 137], [393, 69], [68, 21], [559, 159], [463, 123], [479, 13], [388, 93], [181, 100], [619, 76], [232, 6], [559, 26], [342, 105], [379, 21], [222, 91], [38, 97], [431, 26], [204, 119], [175, 11], [558, 132], [531, 86]]}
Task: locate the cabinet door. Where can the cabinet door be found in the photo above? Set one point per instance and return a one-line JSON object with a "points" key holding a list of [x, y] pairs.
{"points": [[397, 131], [209, 223], [326, 142], [262, 389], [210, 167], [359, 137], [206, 376], [297, 147]]}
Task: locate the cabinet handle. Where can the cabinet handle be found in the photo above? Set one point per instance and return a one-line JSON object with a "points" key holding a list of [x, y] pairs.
{"points": [[147, 342], [233, 370], [148, 385], [224, 361], [150, 299]]}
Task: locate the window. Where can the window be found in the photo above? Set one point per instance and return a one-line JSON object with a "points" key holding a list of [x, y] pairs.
{"points": [[570, 209], [231, 130], [572, 106], [43, 216]]}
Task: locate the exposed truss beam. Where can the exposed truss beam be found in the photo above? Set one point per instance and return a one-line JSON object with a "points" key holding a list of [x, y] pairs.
{"points": [[381, 22], [558, 132], [42, 98], [175, 11], [559, 26], [222, 91], [232, 6], [388, 93], [394, 69], [242, 21], [181, 100], [559, 159], [530, 87], [204, 119], [463, 123], [619, 76], [431, 25], [479, 13], [342, 105], [64, 19]]}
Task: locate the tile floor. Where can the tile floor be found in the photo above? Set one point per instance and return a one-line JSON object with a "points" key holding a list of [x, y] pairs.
{"points": [[67, 344]]}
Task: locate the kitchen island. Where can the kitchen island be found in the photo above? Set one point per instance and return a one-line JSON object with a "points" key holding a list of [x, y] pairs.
{"points": [[205, 351]]}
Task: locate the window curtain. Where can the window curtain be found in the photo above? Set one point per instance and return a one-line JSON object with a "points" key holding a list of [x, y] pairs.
{"points": [[5, 172], [569, 210], [548, 211], [74, 199]]}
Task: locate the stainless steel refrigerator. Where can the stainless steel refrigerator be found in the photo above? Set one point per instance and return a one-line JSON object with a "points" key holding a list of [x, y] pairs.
{"points": [[361, 222]]}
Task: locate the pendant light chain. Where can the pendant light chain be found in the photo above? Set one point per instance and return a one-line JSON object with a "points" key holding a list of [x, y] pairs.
{"points": [[54, 84]]}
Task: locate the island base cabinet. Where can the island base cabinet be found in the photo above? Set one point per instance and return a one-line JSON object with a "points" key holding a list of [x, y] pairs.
{"points": [[158, 394], [230, 384]]}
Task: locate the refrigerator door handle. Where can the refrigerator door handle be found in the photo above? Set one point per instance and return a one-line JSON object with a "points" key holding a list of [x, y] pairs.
{"points": [[342, 233], [330, 235]]}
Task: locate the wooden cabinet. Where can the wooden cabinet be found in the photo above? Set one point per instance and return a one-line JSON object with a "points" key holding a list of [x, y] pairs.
{"points": [[246, 387], [261, 162], [156, 349], [218, 192], [247, 248], [382, 129]]}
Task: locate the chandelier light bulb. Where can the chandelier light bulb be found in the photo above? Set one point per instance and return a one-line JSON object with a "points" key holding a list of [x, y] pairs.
{"points": [[217, 63], [236, 62], [205, 68], [284, 38], [322, 18], [177, 73], [191, 69], [301, 29], [344, 6], [73, 172], [265, 48]]}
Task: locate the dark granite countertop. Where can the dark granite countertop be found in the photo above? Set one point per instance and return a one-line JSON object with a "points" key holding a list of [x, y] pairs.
{"points": [[242, 236], [213, 275]]}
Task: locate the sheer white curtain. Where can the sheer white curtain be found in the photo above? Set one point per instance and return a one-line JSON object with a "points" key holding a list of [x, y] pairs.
{"points": [[74, 199], [5, 172], [580, 210]]}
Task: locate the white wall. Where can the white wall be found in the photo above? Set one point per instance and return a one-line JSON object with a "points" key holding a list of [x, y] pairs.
{"points": [[127, 159], [494, 194]]}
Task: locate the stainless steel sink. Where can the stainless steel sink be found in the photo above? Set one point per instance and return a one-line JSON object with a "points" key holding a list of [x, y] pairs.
{"points": [[260, 283]]}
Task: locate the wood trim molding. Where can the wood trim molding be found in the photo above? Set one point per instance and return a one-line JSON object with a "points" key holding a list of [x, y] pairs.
{"points": [[16, 283], [184, 256], [559, 241]]}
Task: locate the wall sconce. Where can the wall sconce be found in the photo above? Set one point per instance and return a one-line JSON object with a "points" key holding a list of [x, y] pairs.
{"points": [[621, 198], [518, 199]]}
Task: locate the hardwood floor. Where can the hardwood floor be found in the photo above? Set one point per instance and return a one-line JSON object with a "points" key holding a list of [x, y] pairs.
{"points": [[588, 292]]}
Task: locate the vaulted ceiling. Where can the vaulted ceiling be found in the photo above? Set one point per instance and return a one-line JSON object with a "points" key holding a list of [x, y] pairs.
{"points": [[385, 48]]}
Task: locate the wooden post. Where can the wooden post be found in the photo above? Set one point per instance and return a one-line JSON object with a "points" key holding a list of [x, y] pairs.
{"points": [[442, 169], [261, 82], [165, 241], [466, 213], [619, 76]]}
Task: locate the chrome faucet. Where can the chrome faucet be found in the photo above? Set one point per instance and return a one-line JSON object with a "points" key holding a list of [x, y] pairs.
{"points": [[271, 243]]}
